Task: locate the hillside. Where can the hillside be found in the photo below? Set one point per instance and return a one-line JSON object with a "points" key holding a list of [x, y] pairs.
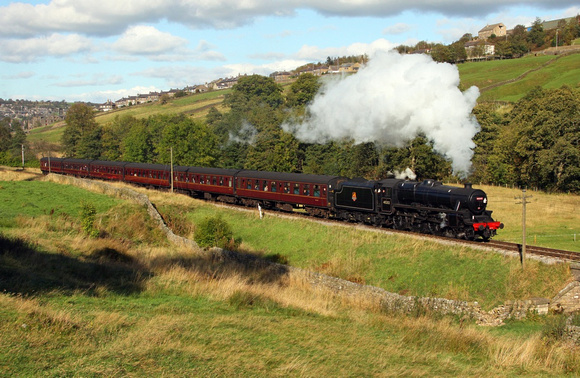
{"points": [[510, 80], [129, 303], [501, 80]]}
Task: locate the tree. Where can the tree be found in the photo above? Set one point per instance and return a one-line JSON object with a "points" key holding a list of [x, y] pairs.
{"points": [[303, 90], [252, 91], [418, 155], [541, 146], [441, 53], [537, 35], [487, 168], [213, 116], [82, 133], [137, 146], [193, 143], [163, 99], [274, 150]]}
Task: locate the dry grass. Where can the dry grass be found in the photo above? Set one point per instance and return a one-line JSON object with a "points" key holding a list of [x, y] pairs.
{"points": [[109, 334], [15, 174], [551, 219]]}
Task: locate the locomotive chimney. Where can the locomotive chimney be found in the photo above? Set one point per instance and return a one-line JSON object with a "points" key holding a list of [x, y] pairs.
{"points": [[468, 185]]}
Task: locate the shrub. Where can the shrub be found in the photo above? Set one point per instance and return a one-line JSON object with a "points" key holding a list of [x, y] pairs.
{"points": [[214, 231], [88, 216], [555, 328]]}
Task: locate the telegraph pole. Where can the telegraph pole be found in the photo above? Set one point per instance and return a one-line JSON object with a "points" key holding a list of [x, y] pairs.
{"points": [[171, 169], [22, 156], [524, 199]]}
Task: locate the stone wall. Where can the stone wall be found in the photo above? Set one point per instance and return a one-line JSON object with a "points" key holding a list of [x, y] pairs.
{"points": [[127, 194], [567, 300]]}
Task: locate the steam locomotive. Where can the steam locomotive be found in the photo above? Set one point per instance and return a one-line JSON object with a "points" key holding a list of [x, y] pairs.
{"points": [[427, 207]]}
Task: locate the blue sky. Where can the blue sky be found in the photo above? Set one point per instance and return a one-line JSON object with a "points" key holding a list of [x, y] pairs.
{"points": [[86, 50]]}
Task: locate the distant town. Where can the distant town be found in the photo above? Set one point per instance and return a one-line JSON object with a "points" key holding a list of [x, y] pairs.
{"points": [[488, 44]]}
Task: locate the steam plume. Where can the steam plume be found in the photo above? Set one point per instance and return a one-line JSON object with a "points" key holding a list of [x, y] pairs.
{"points": [[393, 99]]}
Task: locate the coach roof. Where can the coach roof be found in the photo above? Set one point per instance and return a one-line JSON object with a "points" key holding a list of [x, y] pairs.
{"points": [[290, 177]]}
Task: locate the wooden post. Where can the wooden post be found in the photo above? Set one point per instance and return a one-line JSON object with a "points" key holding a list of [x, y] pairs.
{"points": [[171, 169], [524, 202], [523, 227]]}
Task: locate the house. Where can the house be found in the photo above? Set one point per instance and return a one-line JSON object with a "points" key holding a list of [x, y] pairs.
{"points": [[499, 30], [349, 67], [107, 106], [479, 49], [281, 77]]}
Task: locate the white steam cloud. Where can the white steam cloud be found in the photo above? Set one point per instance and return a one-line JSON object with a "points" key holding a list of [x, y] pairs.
{"points": [[393, 99]]}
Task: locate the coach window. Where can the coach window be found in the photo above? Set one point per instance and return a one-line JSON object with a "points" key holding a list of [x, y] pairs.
{"points": [[221, 181], [273, 186], [249, 184], [286, 188], [214, 180], [296, 189], [324, 191], [316, 191], [306, 191]]}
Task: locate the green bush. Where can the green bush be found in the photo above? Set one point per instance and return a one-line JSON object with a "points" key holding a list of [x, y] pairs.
{"points": [[214, 231], [88, 216]]}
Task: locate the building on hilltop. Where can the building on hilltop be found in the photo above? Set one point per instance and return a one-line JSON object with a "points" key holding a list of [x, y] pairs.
{"points": [[499, 30]]}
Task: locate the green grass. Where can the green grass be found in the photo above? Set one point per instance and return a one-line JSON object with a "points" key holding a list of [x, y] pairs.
{"points": [[35, 198], [51, 134], [185, 336], [484, 74], [123, 306], [197, 105], [564, 71], [397, 264]]}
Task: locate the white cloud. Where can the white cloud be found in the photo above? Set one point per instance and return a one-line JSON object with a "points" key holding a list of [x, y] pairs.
{"points": [[398, 28], [147, 40], [91, 80], [111, 17], [20, 75], [54, 45]]}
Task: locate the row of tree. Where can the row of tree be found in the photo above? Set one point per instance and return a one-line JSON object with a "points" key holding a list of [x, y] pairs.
{"points": [[534, 144]]}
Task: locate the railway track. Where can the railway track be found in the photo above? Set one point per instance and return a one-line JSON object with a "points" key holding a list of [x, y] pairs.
{"points": [[538, 251]]}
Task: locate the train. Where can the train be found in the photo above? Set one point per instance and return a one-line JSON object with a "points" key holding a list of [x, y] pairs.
{"points": [[420, 206]]}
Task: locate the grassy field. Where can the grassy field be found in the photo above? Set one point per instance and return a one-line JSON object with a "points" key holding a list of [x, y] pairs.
{"points": [[397, 264], [552, 220], [127, 303], [559, 70], [197, 105]]}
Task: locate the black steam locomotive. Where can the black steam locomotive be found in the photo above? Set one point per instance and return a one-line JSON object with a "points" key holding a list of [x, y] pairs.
{"points": [[427, 207]]}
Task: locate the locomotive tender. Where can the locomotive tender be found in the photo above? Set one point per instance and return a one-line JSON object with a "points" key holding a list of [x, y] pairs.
{"points": [[427, 207]]}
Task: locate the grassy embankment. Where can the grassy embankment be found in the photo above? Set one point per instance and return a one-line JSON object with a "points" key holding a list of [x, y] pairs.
{"points": [[129, 304]]}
